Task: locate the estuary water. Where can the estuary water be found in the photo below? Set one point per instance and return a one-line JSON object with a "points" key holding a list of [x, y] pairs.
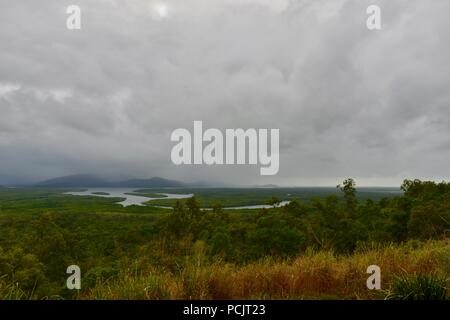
{"points": [[128, 199], [124, 193]]}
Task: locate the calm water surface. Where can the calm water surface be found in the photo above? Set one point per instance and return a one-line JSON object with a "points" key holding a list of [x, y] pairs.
{"points": [[133, 200]]}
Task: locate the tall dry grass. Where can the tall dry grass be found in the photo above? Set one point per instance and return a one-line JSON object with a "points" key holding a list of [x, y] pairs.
{"points": [[314, 275]]}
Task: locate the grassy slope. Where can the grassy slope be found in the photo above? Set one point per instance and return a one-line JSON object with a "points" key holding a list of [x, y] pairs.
{"points": [[319, 275]]}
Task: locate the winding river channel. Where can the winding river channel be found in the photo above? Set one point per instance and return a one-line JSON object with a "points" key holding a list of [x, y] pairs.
{"points": [[128, 199]]}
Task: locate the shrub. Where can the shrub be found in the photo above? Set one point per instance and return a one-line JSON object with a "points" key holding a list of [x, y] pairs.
{"points": [[419, 287]]}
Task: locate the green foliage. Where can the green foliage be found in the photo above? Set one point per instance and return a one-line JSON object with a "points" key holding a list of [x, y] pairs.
{"points": [[43, 231], [430, 220], [47, 241], [273, 235], [22, 269], [274, 201], [233, 197], [348, 188]]}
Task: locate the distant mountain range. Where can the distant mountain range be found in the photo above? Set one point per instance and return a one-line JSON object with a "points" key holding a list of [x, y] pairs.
{"points": [[268, 186], [93, 181], [84, 180]]}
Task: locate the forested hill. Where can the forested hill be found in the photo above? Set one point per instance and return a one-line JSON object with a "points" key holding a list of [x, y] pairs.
{"points": [[84, 180]]}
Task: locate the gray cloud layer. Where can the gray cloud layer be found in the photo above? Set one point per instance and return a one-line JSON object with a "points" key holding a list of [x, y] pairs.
{"points": [[347, 101]]}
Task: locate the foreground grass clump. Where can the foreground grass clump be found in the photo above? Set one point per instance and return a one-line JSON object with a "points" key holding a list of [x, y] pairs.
{"points": [[420, 287], [9, 291], [314, 275]]}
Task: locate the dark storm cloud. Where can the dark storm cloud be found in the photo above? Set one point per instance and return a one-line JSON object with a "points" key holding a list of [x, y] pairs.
{"points": [[347, 101]]}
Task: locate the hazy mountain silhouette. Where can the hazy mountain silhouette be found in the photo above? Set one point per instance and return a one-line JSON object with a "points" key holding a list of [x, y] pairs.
{"points": [[85, 180], [78, 180], [155, 182]]}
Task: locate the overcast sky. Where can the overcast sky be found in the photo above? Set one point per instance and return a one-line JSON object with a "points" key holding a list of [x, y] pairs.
{"points": [[349, 102]]}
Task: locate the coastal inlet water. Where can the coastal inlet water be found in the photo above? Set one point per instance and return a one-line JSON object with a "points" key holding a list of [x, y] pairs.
{"points": [[128, 199], [124, 193]]}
